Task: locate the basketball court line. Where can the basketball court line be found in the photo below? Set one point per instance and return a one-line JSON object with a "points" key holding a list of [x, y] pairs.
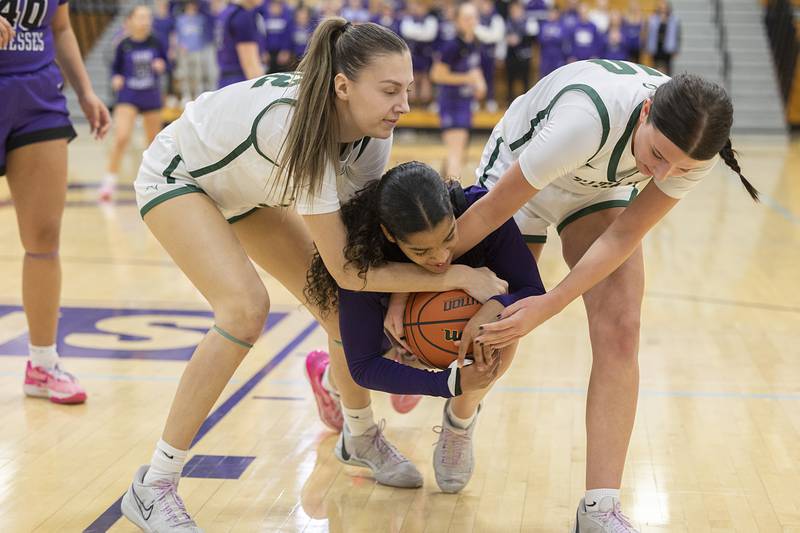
{"points": [[110, 516]]}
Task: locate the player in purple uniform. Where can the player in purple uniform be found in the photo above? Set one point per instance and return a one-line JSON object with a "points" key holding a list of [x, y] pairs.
{"points": [[139, 61], [491, 31], [34, 132], [279, 26], [410, 216], [456, 70], [239, 34], [552, 37]]}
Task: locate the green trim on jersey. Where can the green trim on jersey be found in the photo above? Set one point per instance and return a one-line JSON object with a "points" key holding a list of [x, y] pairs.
{"points": [[593, 209], [602, 111], [237, 218], [288, 101], [186, 189], [171, 168], [244, 145], [613, 162]]}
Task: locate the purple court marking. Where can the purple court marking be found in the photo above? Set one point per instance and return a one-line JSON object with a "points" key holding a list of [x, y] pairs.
{"points": [[217, 466], [113, 513], [290, 398], [83, 320]]}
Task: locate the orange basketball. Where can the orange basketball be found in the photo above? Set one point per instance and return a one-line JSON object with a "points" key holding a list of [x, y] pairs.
{"points": [[433, 321]]}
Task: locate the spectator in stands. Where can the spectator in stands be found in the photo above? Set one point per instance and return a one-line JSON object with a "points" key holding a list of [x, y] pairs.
{"points": [[520, 32], [354, 11], [163, 30], [303, 28], [663, 36], [139, 61], [490, 32], [386, 16], [457, 72], [194, 72], [586, 42], [615, 46], [240, 40], [279, 25], [632, 31], [419, 28], [538, 10], [600, 16], [552, 44], [447, 25], [570, 16]]}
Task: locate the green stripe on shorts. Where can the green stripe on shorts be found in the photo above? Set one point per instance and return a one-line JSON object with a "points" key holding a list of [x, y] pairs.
{"points": [[609, 204], [186, 189]]}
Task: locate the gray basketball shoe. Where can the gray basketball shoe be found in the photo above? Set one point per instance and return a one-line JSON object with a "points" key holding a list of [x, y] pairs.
{"points": [[604, 516], [453, 460], [157, 508]]}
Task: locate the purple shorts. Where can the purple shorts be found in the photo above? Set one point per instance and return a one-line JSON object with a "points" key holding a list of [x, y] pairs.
{"points": [[455, 114], [33, 110], [143, 100]]}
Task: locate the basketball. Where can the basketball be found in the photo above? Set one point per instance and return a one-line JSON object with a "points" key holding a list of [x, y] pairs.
{"points": [[433, 321]]}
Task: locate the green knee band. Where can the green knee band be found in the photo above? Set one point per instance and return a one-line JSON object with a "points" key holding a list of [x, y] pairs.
{"points": [[231, 337], [337, 341]]}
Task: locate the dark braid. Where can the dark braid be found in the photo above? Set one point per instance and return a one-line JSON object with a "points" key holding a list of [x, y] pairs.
{"points": [[728, 154]]}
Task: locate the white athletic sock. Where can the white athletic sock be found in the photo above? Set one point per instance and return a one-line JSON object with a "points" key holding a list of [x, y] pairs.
{"points": [[110, 179], [326, 382], [166, 462], [462, 423], [595, 495], [358, 420], [44, 356]]}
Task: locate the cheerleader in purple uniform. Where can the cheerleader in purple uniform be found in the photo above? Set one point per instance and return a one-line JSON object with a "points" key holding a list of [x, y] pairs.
{"points": [[457, 72], [34, 132], [139, 61]]}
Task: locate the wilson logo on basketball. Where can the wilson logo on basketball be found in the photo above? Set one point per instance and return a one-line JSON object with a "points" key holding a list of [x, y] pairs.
{"points": [[452, 335], [455, 303]]}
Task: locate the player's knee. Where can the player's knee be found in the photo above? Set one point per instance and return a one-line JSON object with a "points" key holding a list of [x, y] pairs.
{"points": [[244, 315], [618, 336], [43, 238]]}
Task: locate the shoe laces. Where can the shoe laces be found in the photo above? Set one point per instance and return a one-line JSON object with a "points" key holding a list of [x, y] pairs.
{"points": [[171, 504], [615, 518], [453, 444], [60, 374], [383, 446]]}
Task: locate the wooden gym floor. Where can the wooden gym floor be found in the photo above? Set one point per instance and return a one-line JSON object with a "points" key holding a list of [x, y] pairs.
{"points": [[716, 445]]}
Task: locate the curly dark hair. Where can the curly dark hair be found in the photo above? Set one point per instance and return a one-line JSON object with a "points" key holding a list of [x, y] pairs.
{"points": [[408, 198]]}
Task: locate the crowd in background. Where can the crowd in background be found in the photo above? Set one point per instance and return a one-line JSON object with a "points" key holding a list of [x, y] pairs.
{"points": [[524, 39]]}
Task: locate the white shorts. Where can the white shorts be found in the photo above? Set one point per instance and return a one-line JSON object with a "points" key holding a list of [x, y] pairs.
{"points": [[163, 175], [560, 207]]}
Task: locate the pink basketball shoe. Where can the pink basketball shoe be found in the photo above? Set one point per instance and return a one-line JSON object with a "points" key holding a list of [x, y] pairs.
{"points": [[328, 406], [56, 384]]}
